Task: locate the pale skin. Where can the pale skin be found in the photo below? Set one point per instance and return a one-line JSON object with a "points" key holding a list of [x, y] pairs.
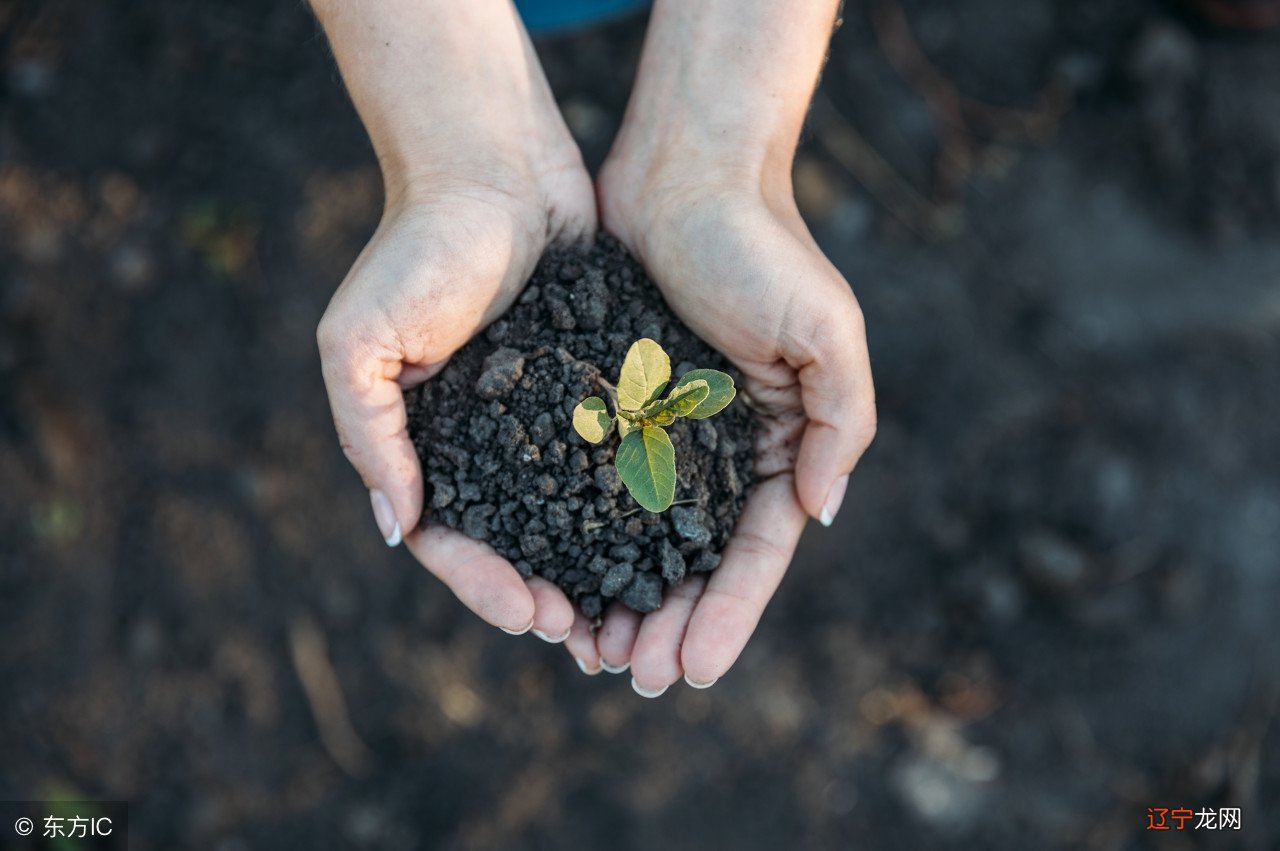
{"points": [[482, 175]]}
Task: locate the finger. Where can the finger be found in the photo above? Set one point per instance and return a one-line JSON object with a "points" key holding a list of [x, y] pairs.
{"points": [[655, 659], [616, 638], [838, 396], [581, 645], [482, 580], [411, 375], [553, 613], [755, 559], [360, 376]]}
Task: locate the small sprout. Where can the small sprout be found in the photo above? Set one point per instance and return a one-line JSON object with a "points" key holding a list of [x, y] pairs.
{"points": [[645, 459]]}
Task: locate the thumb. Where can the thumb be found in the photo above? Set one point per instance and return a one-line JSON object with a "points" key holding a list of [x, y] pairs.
{"points": [[360, 375], [838, 397]]}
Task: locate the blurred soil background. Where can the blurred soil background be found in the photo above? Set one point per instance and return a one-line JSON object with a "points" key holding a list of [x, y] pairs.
{"points": [[1049, 603]]}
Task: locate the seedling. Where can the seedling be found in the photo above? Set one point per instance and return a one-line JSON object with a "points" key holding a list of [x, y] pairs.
{"points": [[645, 459]]}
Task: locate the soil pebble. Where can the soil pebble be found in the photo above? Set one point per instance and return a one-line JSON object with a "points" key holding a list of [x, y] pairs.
{"points": [[501, 371], [502, 462]]}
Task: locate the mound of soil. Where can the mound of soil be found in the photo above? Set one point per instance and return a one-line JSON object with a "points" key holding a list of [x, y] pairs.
{"points": [[503, 464]]}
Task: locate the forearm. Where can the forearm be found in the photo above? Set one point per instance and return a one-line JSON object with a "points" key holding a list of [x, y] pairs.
{"points": [[727, 82], [448, 91]]}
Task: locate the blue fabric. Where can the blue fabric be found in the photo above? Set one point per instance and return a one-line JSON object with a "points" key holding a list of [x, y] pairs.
{"points": [[542, 16]]}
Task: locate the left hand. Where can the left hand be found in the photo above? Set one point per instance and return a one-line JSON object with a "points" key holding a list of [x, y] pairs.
{"points": [[742, 271]]}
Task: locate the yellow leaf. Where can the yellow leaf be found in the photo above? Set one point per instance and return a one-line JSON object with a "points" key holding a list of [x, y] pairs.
{"points": [[591, 419], [645, 373]]}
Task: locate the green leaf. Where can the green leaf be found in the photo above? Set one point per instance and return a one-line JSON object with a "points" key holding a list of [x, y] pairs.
{"points": [[645, 373], [722, 392], [682, 399], [687, 397], [591, 419], [663, 418], [646, 461]]}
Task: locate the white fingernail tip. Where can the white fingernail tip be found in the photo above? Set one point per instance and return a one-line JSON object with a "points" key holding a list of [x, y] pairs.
{"points": [[384, 514], [614, 670], [834, 499], [644, 692], [694, 684], [582, 666], [551, 639]]}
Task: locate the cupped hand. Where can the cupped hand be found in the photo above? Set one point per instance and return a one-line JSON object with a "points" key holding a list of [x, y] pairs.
{"points": [[446, 260], [740, 268]]}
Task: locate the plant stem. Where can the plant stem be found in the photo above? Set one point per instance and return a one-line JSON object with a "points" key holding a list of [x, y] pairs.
{"points": [[610, 389]]}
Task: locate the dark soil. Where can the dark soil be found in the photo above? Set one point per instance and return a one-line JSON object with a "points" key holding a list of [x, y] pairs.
{"points": [[503, 464], [1048, 603]]}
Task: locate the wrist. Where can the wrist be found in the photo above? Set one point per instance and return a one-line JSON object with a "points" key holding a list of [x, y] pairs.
{"points": [[451, 94], [647, 187], [683, 130], [472, 161], [435, 147], [719, 101]]}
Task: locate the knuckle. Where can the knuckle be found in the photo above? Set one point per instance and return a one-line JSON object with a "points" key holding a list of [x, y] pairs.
{"points": [[839, 304], [855, 319], [346, 354], [865, 427], [332, 338], [838, 327], [351, 451], [742, 603], [754, 546]]}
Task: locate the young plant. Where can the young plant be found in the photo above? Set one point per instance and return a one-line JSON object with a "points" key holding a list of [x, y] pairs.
{"points": [[645, 459]]}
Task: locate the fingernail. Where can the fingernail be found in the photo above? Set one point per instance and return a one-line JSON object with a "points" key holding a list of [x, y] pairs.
{"points": [[518, 631], [644, 692], [582, 666], [694, 684], [385, 516], [551, 639], [834, 498], [615, 669]]}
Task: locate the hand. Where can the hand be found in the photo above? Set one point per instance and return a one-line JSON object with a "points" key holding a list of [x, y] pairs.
{"points": [[698, 186], [742, 271], [478, 185]]}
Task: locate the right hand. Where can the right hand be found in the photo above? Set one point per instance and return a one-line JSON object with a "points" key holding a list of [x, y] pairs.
{"points": [[444, 262]]}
